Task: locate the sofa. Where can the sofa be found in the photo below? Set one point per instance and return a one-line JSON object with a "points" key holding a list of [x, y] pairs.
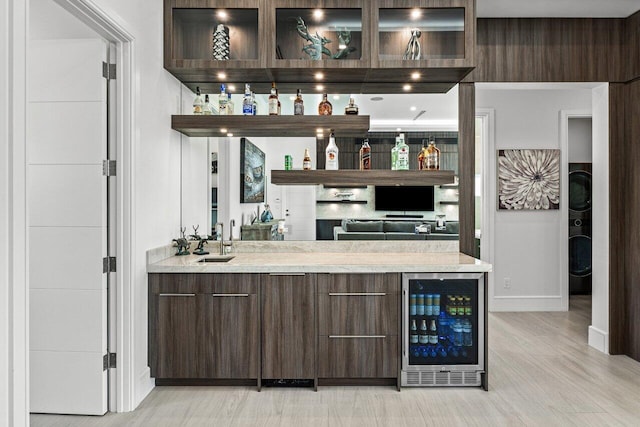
{"points": [[387, 229]]}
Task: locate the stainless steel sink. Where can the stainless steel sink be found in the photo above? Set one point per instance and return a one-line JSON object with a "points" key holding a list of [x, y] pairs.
{"points": [[218, 258]]}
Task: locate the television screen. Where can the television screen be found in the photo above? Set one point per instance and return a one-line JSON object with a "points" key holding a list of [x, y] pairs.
{"points": [[401, 198]]}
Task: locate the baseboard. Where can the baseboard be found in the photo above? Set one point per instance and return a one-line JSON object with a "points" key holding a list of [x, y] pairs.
{"points": [[527, 303], [144, 386], [599, 339]]}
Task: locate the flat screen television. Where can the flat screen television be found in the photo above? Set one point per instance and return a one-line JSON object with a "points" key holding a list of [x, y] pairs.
{"points": [[403, 198]]}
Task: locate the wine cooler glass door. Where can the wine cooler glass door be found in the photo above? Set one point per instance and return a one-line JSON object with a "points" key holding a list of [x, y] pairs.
{"points": [[443, 321]]}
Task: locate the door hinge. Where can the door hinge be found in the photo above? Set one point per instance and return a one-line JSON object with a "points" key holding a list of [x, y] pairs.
{"points": [[109, 264], [108, 71], [109, 167], [108, 361]]}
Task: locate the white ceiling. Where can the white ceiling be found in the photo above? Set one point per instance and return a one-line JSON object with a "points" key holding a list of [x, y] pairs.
{"points": [[556, 8]]}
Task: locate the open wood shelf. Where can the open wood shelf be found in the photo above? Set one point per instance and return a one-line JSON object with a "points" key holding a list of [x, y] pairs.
{"points": [[280, 126], [358, 177]]}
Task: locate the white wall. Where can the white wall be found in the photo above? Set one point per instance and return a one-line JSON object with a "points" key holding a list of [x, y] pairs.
{"points": [[580, 140], [528, 246]]}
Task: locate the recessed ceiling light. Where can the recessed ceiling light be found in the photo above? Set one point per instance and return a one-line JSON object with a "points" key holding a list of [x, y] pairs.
{"points": [[318, 13], [319, 87], [223, 130], [292, 98], [376, 98], [415, 75], [229, 135], [416, 13], [406, 88], [222, 14], [318, 76], [336, 97], [319, 130], [222, 76], [232, 88], [413, 108], [398, 129]]}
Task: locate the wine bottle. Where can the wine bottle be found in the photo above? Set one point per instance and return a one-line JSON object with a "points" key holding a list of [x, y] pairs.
{"points": [[306, 160]]}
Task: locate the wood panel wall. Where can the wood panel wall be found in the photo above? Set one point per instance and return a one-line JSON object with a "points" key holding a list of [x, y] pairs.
{"points": [[633, 46], [550, 50], [466, 164]]}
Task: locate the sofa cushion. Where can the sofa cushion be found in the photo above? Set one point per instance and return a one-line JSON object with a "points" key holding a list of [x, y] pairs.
{"points": [[442, 236], [404, 236], [400, 226], [359, 236], [362, 226], [453, 227]]}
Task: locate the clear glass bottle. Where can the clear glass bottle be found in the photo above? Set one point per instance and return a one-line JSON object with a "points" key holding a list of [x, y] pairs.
{"points": [[433, 332], [352, 108], [306, 160], [394, 155], [222, 101], [206, 108], [325, 108], [273, 100], [198, 103], [413, 335], [365, 155], [254, 102], [424, 333], [247, 102], [298, 104], [331, 162], [402, 162], [433, 156], [230, 105]]}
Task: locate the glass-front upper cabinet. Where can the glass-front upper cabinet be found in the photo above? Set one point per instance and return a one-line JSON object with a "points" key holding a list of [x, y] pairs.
{"points": [[319, 34], [209, 34], [423, 33]]}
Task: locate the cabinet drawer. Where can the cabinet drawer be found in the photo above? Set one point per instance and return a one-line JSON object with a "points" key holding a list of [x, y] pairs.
{"points": [[358, 356], [379, 282], [358, 313]]}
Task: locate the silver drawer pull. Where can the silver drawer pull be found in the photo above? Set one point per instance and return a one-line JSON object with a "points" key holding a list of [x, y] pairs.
{"points": [[229, 295], [357, 294], [177, 295], [357, 336]]}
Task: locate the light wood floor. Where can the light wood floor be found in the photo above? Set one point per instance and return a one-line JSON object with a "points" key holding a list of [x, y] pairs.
{"points": [[542, 373]]}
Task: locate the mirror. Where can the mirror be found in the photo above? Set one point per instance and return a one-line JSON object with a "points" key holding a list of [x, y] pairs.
{"points": [[330, 213]]}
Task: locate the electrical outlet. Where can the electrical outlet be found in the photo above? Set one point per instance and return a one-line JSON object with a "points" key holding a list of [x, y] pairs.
{"points": [[507, 283]]}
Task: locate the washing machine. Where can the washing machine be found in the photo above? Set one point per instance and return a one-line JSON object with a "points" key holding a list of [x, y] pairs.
{"points": [[580, 228]]}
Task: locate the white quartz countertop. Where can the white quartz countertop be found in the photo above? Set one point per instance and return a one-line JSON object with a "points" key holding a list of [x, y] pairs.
{"points": [[325, 262]]}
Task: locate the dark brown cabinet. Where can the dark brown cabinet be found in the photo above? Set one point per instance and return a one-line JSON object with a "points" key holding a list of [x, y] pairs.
{"points": [[204, 326], [358, 326], [288, 326]]}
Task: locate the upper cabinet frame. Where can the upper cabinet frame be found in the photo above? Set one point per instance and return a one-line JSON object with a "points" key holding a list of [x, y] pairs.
{"points": [[265, 45]]}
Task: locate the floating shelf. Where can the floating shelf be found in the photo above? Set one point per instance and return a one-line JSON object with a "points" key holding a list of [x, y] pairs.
{"points": [[347, 202], [279, 126], [358, 177]]}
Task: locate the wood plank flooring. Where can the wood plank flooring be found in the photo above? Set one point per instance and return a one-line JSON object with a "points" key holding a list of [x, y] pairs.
{"points": [[542, 374]]}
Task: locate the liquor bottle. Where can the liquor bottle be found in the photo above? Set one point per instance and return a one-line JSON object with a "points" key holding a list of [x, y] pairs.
{"points": [[433, 332], [247, 102], [206, 108], [254, 102], [433, 156], [331, 162], [198, 103], [306, 160], [230, 105], [424, 334], [298, 104], [402, 160], [273, 100], [422, 156], [222, 101], [352, 108], [365, 155], [325, 108], [413, 335], [394, 155]]}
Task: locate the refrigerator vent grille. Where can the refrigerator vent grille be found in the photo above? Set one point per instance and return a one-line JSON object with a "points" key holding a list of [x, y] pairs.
{"points": [[432, 378]]}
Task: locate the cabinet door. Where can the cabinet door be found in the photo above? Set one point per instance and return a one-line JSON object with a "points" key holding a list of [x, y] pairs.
{"points": [[230, 340], [288, 326], [358, 356], [358, 304]]}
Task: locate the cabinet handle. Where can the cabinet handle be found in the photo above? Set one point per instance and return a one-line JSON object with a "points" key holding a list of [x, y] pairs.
{"points": [[177, 295], [357, 336], [357, 294], [229, 295]]}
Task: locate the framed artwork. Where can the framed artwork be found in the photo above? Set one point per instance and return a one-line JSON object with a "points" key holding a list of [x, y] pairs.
{"points": [[528, 179], [252, 180]]}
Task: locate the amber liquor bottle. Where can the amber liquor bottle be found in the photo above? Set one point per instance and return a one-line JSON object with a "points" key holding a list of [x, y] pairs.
{"points": [[325, 108], [365, 155], [273, 100], [298, 104], [433, 156]]}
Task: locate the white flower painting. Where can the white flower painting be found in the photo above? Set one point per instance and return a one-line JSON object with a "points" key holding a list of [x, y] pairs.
{"points": [[528, 179]]}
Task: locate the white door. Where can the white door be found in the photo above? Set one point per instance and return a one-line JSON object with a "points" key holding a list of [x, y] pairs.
{"points": [[67, 205], [299, 208]]}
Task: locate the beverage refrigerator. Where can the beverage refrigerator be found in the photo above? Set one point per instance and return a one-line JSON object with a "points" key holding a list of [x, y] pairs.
{"points": [[443, 328]]}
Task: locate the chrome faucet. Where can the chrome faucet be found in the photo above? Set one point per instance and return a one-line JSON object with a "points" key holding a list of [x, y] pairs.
{"points": [[221, 236], [229, 245]]}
